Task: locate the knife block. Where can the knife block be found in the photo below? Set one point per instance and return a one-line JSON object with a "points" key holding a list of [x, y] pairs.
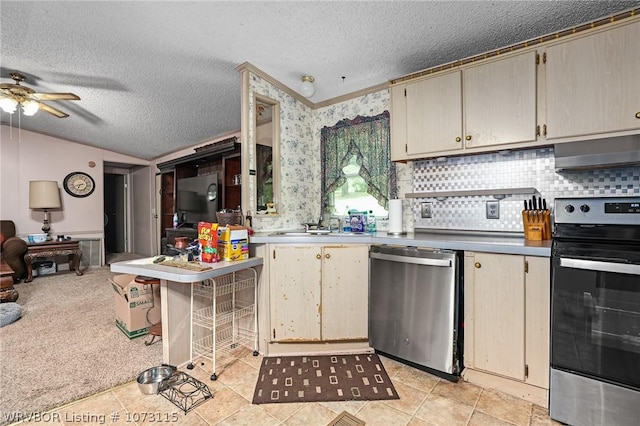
{"points": [[536, 224]]}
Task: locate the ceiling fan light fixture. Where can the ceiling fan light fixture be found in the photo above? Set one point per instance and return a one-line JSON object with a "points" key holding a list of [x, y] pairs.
{"points": [[8, 105], [307, 89], [30, 107]]}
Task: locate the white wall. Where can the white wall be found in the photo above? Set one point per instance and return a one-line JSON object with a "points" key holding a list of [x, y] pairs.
{"points": [[26, 156]]}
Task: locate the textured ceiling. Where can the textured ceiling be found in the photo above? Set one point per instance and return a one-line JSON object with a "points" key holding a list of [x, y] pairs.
{"points": [[155, 77]]}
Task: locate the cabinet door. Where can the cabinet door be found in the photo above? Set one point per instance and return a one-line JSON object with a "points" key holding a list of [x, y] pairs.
{"points": [[398, 123], [537, 320], [294, 280], [434, 114], [499, 314], [167, 200], [500, 101], [593, 85], [345, 283]]}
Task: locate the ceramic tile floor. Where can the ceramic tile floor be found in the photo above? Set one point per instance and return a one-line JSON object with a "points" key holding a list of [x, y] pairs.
{"points": [[424, 400]]}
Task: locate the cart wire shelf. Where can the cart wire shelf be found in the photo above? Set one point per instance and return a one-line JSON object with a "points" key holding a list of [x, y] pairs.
{"points": [[227, 340], [184, 391], [225, 284], [226, 312]]}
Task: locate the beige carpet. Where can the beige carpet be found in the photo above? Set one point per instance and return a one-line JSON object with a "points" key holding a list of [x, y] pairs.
{"points": [[66, 345]]}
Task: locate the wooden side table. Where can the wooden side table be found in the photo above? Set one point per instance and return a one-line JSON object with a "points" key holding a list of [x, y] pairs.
{"points": [[51, 249], [7, 292]]}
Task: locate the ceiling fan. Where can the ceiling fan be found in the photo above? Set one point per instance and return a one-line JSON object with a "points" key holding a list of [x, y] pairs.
{"points": [[13, 94]]}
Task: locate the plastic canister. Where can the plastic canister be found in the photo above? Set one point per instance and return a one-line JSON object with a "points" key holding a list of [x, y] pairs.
{"points": [[371, 223], [347, 222], [358, 221]]}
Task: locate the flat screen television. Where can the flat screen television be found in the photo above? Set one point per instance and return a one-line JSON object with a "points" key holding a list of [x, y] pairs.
{"points": [[197, 199]]}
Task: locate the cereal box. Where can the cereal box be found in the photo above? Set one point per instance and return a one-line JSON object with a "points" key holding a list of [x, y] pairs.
{"points": [[234, 242], [208, 242]]}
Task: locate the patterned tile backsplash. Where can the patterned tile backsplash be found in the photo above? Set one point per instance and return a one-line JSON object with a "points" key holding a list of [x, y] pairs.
{"points": [[534, 168]]}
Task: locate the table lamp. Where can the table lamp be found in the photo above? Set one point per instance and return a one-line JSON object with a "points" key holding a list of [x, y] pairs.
{"points": [[44, 195]]}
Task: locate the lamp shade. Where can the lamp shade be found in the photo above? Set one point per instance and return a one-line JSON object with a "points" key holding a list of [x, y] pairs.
{"points": [[8, 105], [44, 194], [30, 107]]}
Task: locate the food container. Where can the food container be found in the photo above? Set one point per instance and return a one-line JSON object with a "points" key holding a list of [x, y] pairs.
{"points": [[37, 238], [149, 380]]}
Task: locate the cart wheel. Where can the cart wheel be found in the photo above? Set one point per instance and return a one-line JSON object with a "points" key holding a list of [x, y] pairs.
{"points": [[190, 366], [214, 376], [256, 353]]}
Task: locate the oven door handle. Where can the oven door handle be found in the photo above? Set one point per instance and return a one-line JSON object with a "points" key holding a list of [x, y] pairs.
{"points": [[592, 265]]}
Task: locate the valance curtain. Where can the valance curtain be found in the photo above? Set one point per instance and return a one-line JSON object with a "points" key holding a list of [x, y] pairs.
{"points": [[368, 138]]}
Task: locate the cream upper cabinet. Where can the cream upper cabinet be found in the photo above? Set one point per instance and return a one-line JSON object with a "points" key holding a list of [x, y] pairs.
{"points": [[318, 292], [593, 83], [434, 114], [482, 106], [500, 102], [507, 316], [398, 123]]}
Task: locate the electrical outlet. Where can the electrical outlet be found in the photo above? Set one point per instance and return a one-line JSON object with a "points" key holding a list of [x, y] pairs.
{"points": [[426, 210], [493, 210]]}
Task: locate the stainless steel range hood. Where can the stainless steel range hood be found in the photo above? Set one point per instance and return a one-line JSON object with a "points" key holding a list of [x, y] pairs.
{"points": [[620, 151]]}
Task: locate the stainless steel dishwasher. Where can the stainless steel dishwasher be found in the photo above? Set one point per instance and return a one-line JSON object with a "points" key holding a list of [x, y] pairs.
{"points": [[415, 307]]}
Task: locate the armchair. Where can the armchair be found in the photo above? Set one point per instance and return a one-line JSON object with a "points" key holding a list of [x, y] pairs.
{"points": [[12, 249]]}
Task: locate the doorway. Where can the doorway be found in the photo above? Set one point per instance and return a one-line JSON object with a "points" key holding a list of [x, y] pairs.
{"points": [[115, 223]]}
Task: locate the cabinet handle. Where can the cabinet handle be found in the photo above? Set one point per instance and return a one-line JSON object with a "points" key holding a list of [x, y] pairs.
{"points": [[638, 114], [318, 256], [468, 137], [458, 139], [327, 256], [477, 265]]}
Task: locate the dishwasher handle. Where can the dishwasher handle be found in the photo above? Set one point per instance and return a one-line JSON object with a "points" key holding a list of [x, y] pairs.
{"points": [[410, 259]]}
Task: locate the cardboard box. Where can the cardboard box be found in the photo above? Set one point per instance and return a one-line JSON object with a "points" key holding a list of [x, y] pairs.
{"points": [[233, 242], [137, 305], [208, 242]]}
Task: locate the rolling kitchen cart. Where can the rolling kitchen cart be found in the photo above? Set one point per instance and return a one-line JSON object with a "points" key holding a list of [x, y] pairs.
{"points": [[223, 316]]}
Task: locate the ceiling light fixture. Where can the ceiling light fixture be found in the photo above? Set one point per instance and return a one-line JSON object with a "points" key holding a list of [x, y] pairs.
{"points": [[14, 94], [307, 89], [30, 107], [8, 105]]}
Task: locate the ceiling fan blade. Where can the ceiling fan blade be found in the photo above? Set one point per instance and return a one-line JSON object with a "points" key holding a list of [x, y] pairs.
{"points": [[55, 96], [52, 110]]}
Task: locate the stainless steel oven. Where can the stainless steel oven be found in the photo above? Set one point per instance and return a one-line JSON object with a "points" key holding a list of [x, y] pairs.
{"points": [[595, 311]]}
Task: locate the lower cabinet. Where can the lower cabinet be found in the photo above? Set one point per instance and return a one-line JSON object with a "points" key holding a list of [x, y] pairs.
{"points": [[318, 293], [507, 317]]}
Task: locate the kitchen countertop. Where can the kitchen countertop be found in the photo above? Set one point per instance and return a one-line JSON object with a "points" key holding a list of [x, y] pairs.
{"points": [[453, 241], [147, 268]]}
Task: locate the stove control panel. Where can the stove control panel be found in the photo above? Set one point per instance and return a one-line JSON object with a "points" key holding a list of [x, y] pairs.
{"points": [[598, 211]]}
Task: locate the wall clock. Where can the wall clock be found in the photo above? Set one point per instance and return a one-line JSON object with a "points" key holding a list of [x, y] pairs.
{"points": [[79, 184]]}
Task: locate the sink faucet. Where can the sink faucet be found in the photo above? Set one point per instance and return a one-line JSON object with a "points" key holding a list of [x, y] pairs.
{"points": [[320, 221]]}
